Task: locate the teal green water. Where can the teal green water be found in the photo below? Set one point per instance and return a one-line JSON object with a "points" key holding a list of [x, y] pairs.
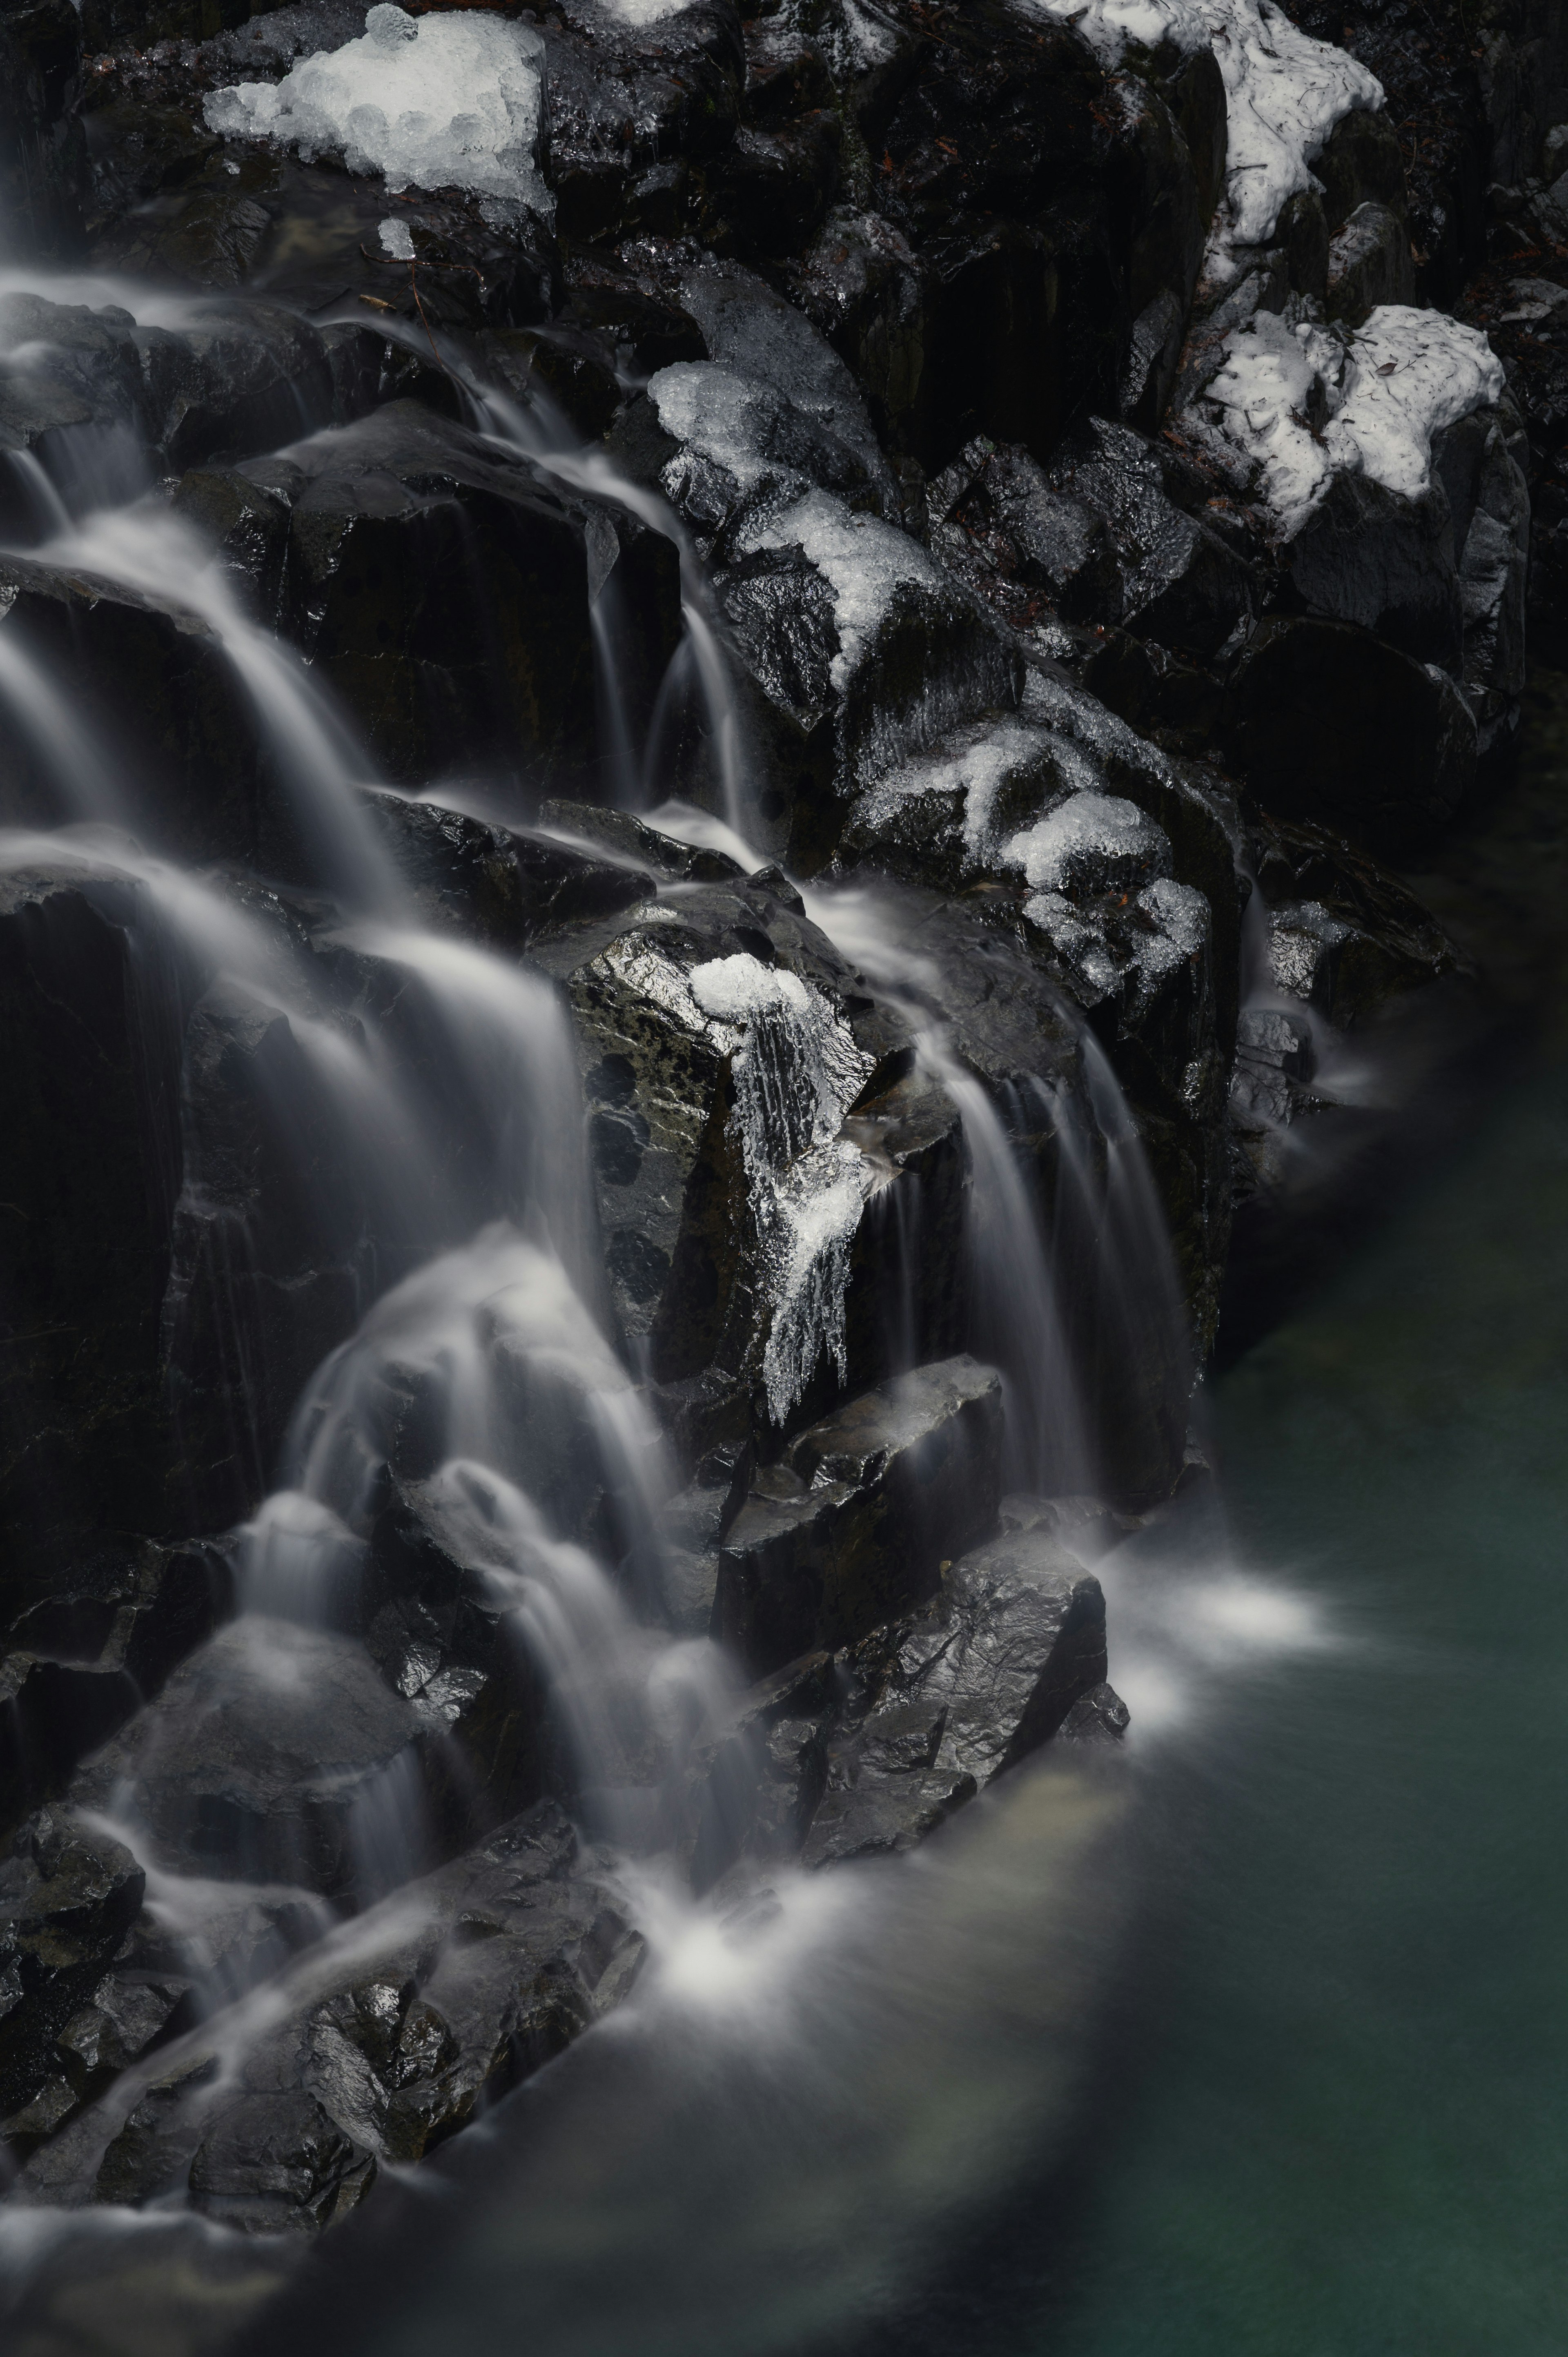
{"points": [[1347, 2133]]}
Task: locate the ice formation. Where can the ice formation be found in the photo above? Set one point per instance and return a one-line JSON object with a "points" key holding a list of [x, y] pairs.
{"points": [[1382, 392], [450, 100], [796, 1069], [1090, 842], [864, 562], [719, 414], [398, 239]]}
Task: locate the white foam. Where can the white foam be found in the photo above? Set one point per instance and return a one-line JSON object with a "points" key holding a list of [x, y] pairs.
{"points": [[450, 100]]}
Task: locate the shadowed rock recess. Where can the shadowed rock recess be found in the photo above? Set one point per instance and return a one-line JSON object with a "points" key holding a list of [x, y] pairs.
{"points": [[704, 725]]}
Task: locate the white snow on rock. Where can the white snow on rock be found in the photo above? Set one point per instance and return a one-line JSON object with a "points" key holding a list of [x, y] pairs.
{"points": [[864, 562], [1112, 27], [1285, 93], [450, 100], [1090, 842], [1382, 392], [397, 240]]}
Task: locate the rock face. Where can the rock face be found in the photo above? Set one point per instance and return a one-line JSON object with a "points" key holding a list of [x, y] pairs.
{"points": [[855, 1520], [671, 844]]}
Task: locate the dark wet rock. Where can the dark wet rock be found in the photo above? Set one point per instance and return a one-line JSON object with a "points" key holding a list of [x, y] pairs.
{"points": [[444, 1635], [43, 179], [68, 1895], [507, 884], [1177, 581], [1369, 263], [445, 593], [81, 1660], [689, 1250], [87, 1153], [858, 1516], [1331, 723], [1385, 562], [149, 677], [271, 2162], [271, 1754], [389, 2036], [942, 1703], [847, 1755], [1344, 935]]}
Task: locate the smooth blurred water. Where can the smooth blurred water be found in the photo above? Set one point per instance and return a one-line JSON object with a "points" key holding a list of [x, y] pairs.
{"points": [[1331, 2117]]}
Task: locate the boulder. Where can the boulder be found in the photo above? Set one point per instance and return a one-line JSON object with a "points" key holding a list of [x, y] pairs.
{"points": [[387, 2035], [943, 1703], [1369, 263], [858, 1516], [276, 1753], [1330, 724], [444, 591], [847, 1755]]}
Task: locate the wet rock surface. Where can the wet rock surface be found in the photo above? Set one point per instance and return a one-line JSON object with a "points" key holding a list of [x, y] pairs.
{"points": [[874, 451]]}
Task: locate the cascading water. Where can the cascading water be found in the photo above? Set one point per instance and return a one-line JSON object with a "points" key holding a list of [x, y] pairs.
{"points": [[478, 1394]]}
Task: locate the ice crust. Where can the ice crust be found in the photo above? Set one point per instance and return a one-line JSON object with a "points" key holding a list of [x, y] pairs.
{"points": [[1090, 842], [449, 100], [1285, 93], [1383, 391], [864, 562], [796, 1069]]}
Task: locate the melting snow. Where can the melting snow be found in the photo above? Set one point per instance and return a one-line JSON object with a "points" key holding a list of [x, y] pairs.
{"points": [[864, 562], [450, 100], [1384, 391]]}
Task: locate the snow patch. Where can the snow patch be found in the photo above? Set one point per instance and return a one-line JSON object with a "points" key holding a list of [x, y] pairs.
{"points": [[450, 100], [1091, 843], [1112, 27], [1284, 94], [1381, 392]]}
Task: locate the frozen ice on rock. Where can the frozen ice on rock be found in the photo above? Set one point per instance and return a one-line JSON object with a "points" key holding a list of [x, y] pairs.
{"points": [[864, 561], [397, 240], [797, 1071], [449, 100], [1381, 393], [714, 412], [1091, 843]]}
